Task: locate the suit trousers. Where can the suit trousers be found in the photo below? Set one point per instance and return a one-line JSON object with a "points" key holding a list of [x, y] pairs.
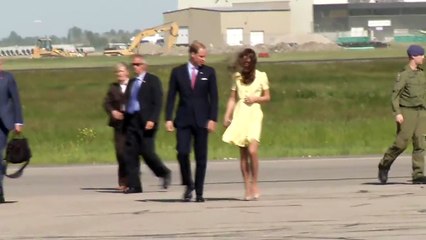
{"points": [[141, 142], [3, 141], [414, 128], [119, 143], [184, 139]]}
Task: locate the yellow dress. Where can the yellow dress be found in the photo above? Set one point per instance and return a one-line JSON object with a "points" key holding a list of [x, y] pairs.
{"points": [[246, 124]]}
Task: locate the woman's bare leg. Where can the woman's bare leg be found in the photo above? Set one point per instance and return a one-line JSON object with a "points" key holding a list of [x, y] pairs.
{"points": [[245, 171], [254, 162]]}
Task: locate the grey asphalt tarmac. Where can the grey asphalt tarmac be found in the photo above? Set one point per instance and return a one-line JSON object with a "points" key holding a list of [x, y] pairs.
{"points": [[305, 198]]}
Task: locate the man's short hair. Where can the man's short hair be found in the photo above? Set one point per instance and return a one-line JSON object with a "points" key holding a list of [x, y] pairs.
{"points": [[140, 56], [196, 46]]}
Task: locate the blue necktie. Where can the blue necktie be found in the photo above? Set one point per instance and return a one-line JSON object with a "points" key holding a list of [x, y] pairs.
{"points": [[134, 103]]}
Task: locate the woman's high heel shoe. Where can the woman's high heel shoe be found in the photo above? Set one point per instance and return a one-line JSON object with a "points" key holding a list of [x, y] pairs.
{"points": [[248, 198], [256, 196]]}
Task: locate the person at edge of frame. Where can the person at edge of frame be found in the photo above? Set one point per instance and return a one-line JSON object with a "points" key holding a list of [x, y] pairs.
{"points": [[11, 118], [409, 109]]}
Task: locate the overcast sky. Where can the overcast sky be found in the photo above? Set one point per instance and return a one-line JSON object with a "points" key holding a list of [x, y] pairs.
{"points": [[55, 17]]}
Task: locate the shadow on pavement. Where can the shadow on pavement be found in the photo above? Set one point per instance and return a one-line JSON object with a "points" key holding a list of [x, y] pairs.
{"points": [[102, 190], [388, 183], [8, 202], [112, 190], [180, 200]]}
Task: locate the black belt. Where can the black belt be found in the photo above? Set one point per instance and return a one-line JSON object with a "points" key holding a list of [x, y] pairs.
{"points": [[421, 107], [132, 114]]}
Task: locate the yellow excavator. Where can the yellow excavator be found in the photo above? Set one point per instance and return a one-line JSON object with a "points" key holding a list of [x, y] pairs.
{"points": [[172, 28], [44, 48]]}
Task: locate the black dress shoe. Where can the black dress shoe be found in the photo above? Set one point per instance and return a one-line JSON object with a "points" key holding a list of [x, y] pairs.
{"points": [[132, 190], [2, 199], [167, 180], [419, 180], [187, 195], [383, 175], [200, 199]]}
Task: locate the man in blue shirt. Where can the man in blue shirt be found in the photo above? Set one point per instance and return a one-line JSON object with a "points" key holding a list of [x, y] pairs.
{"points": [[144, 97]]}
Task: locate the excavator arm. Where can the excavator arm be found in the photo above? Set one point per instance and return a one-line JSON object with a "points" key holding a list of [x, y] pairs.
{"points": [[172, 28], [138, 38], [173, 34]]}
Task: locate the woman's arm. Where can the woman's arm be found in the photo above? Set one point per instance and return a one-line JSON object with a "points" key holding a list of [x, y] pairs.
{"points": [[266, 96], [230, 108]]}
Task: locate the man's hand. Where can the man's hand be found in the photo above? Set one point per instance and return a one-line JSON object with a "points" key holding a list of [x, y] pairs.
{"points": [[18, 128], [169, 126], [149, 125], [399, 118], [211, 126], [117, 115]]}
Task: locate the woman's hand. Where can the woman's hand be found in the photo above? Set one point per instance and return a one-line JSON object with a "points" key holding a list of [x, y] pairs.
{"points": [[249, 100], [226, 121], [117, 115]]}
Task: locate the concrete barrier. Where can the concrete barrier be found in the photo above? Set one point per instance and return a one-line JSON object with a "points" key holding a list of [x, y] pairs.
{"points": [[20, 51]]}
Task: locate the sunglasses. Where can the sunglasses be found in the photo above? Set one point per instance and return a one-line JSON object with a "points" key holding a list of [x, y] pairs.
{"points": [[137, 64]]}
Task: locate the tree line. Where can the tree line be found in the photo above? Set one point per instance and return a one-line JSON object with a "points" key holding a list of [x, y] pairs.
{"points": [[76, 36]]}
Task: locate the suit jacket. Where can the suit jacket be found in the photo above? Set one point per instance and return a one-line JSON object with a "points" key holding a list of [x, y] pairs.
{"points": [[196, 106], [10, 104], [114, 100], [150, 97]]}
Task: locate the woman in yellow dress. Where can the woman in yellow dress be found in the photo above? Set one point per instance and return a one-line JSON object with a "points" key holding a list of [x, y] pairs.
{"points": [[243, 117]]}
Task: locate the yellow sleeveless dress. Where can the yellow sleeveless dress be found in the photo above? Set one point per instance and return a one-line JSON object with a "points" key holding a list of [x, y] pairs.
{"points": [[246, 124]]}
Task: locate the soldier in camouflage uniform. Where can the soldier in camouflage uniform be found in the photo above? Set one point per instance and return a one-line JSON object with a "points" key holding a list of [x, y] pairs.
{"points": [[409, 108]]}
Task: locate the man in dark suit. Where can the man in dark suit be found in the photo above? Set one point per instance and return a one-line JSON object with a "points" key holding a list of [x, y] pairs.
{"points": [[10, 115], [144, 99], [114, 104], [196, 115]]}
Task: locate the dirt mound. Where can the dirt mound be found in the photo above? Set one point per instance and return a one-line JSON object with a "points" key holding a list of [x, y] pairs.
{"points": [[303, 42], [304, 38], [314, 46], [282, 47], [285, 43]]}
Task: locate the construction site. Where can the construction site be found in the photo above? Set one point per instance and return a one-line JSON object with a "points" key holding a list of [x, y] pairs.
{"points": [[273, 26], [312, 42]]}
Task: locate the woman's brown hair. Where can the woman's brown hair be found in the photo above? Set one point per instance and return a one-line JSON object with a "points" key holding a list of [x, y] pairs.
{"points": [[247, 63]]}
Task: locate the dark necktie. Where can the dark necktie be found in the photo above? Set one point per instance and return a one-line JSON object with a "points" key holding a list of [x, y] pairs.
{"points": [[193, 77]]}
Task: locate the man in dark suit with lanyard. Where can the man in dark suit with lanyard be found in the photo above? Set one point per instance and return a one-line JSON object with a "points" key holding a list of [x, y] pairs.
{"points": [[144, 99], [196, 115], [10, 115]]}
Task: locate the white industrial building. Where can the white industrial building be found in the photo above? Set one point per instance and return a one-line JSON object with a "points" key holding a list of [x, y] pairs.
{"points": [[241, 22], [251, 22]]}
